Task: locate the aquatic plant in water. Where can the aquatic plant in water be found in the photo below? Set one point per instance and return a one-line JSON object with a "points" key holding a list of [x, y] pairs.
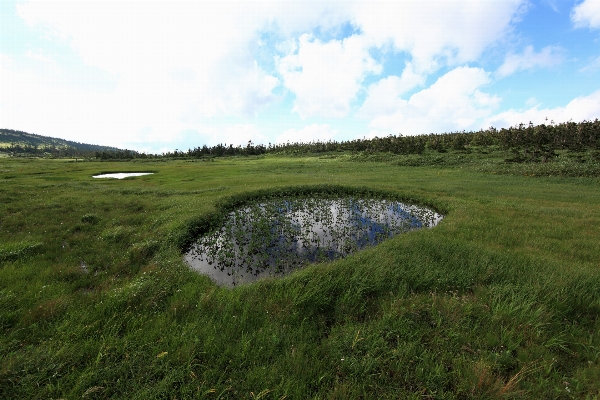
{"points": [[278, 236]]}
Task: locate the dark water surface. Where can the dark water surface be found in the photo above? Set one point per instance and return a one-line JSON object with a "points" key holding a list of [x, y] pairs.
{"points": [[274, 238]]}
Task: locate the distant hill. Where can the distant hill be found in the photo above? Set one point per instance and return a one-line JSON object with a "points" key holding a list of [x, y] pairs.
{"points": [[23, 143]]}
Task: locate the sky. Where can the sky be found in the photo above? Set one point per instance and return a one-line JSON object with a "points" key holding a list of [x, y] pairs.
{"points": [[155, 76]]}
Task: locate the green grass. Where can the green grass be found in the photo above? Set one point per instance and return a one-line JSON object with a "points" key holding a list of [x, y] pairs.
{"points": [[501, 300]]}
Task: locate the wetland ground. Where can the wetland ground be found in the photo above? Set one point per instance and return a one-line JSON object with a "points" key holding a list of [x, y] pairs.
{"points": [[501, 300]]}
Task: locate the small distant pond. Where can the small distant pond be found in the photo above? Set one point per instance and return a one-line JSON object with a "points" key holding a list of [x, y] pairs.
{"points": [[276, 237], [121, 175]]}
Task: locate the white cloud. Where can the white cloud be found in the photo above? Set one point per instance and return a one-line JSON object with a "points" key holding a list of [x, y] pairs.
{"points": [[234, 89], [436, 33], [41, 58], [235, 134], [586, 14], [453, 102], [144, 43], [135, 115], [167, 69], [296, 17], [579, 109], [325, 77], [552, 4], [532, 101], [133, 112], [592, 66], [310, 133], [382, 96], [213, 44], [549, 56]]}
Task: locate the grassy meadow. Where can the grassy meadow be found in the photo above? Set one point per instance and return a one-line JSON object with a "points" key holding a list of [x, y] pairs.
{"points": [[501, 300]]}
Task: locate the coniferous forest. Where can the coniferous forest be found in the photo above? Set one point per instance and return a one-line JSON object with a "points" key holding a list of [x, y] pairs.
{"points": [[527, 142]]}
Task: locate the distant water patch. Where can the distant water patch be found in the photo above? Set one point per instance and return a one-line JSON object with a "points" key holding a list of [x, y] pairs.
{"points": [[121, 175]]}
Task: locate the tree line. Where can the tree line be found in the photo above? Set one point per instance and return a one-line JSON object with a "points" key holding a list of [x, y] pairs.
{"points": [[536, 140], [29, 150], [528, 142]]}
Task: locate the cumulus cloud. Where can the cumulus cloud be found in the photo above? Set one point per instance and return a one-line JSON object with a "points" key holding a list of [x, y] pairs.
{"points": [[453, 102], [165, 69], [168, 69], [127, 36], [325, 77], [147, 42], [579, 109], [549, 56], [382, 95], [437, 33], [310, 133], [586, 14]]}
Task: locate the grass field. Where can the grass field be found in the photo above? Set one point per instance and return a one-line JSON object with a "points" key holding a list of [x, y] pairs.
{"points": [[501, 300]]}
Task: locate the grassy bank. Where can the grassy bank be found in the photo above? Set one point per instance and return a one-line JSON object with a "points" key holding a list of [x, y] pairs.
{"points": [[501, 300]]}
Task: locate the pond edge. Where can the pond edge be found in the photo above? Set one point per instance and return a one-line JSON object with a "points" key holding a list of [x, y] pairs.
{"points": [[184, 236]]}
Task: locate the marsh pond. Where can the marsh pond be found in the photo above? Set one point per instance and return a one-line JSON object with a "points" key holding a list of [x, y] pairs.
{"points": [[276, 237]]}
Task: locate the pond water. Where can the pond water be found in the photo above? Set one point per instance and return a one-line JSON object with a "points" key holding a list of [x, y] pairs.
{"points": [[276, 237], [121, 175]]}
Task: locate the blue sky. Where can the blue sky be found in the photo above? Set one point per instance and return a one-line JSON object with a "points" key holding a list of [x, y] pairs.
{"points": [[158, 76]]}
